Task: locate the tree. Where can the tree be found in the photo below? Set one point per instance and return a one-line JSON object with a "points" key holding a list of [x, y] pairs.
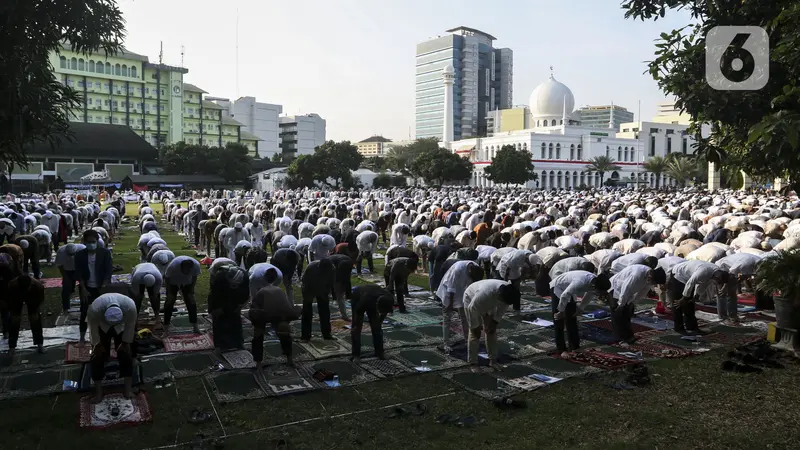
{"points": [[601, 165], [511, 166], [375, 163], [757, 131], [336, 161], [656, 165], [400, 158], [35, 106], [277, 157], [232, 162], [440, 165], [302, 172], [681, 169]]}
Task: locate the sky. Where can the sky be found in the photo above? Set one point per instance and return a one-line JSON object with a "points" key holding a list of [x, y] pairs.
{"points": [[352, 61]]}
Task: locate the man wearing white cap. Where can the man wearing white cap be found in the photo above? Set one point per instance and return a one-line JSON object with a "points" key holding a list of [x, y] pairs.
{"points": [[147, 277], [112, 316]]}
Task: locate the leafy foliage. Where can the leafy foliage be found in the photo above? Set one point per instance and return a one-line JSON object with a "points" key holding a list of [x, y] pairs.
{"points": [[400, 158], [757, 131], [656, 165], [35, 106], [682, 169], [331, 164], [440, 165], [511, 166], [601, 165], [375, 163], [385, 180], [232, 162], [781, 273]]}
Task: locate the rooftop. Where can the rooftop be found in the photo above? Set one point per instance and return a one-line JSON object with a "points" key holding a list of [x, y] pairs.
{"points": [[231, 121], [97, 140], [176, 179], [193, 88], [124, 53], [210, 105], [375, 139], [468, 30], [250, 136]]}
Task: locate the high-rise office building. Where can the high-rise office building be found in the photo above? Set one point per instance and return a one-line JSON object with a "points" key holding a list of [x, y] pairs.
{"points": [[301, 134], [259, 119], [483, 82], [603, 116]]}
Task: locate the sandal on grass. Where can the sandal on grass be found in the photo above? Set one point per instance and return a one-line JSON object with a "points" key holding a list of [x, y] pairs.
{"points": [[198, 416], [398, 411]]}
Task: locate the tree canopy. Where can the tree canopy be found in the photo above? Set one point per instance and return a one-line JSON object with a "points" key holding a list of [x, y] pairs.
{"points": [[440, 165], [400, 158], [330, 164], [232, 162], [35, 105], [656, 165], [758, 131], [601, 165], [511, 166]]}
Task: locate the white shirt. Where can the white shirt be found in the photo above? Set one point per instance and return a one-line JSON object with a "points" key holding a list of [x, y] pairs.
{"points": [[513, 263], [483, 298], [366, 241], [666, 263], [96, 319], [695, 275], [139, 272], [176, 277], [64, 259], [455, 282], [740, 263], [485, 252], [571, 285], [322, 244], [630, 284], [258, 279], [161, 259], [603, 259], [626, 261]]}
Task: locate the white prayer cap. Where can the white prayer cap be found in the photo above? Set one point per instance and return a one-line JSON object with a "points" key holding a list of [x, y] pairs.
{"points": [[149, 280], [113, 315], [24, 243]]}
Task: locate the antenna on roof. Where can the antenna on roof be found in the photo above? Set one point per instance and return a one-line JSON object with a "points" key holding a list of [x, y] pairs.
{"points": [[161, 52], [237, 52], [183, 51]]}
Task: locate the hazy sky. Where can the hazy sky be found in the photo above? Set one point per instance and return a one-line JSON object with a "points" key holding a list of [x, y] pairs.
{"points": [[352, 61]]}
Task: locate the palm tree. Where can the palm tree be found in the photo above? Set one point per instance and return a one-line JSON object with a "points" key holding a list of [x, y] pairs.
{"points": [[656, 165], [681, 169], [601, 165]]}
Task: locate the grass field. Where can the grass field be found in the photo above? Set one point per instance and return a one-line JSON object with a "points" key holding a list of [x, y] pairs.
{"points": [[690, 404]]}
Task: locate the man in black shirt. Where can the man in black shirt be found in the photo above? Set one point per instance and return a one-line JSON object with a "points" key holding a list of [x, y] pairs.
{"points": [[396, 277], [341, 285], [376, 303], [198, 217], [318, 280], [436, 258], [288, 261]]}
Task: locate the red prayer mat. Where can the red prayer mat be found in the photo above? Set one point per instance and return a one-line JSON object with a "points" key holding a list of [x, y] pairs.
{"points": [[595, 358], [732, 339], [747, 299], [114, 410], [656, 349], [51, 282], [188, 342], [81, 353]]}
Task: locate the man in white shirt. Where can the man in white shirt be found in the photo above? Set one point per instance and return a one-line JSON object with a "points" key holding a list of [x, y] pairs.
{"points": [[181, 275], [451, 291], [686, 282], [146, 277], [367, 242], [65, 261], [485, 302], [627, 287], [112, 317], [741, 267], [565, 291]]}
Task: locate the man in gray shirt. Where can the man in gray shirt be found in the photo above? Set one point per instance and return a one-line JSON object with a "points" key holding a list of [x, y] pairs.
{"points": [[686, 282], [181, 275], [112, 317]]}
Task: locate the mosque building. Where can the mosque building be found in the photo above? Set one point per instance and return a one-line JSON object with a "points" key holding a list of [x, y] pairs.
{"points": [[561, 148]]}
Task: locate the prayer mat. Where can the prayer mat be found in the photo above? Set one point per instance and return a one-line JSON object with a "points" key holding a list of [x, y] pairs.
{"points": [[182, 322], [191, 364], [483, 384], [273, 353], [325, 348], [561, 368], [515, 370], [606, 325], [33, 360], [538, 342], [652, 321], [53, 336], [654, 349], [727, 329], [415, 318], [432, 331], [239, 359], [418, 301], [593, 357], [535, 299], [436, 360], [385, 368], [595, 334], [348, 372], [732, 340], [524, 383], [155, 369], [283, 380], [746, 298], [188, 342], [114, 410], [77, 353], [506, 327], [461, 352], [121, 278], [35, 383], [404, 337], [435, 311], [112, 377], [707, 317], [234, 386], [50, 283], [511, 347], [366, 342], [340, 326], [675, 340]]}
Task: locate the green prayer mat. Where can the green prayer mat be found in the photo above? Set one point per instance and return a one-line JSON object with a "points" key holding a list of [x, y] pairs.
{"points": [[435, 312], [675, 340], [349, 373], [325, 348], [734, 330], [436, 360], [431, 331], [273, 353], [33, 360], [283, 380], [182, 322], [534, 299], [155, 369], [30, 384], [556, 367], [512, 371], [539, 341], [511, 347], [544, 314], [191, 364], [415, 318], [385, 368], [404, 337], [506, 327], [484, 384], [233, 386]]}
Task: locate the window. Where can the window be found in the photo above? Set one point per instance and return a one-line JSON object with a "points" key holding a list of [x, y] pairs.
{"points": [[670, 131], [73, 64], [652, 146], [90, 100], [558, 151], [580, 152], [685, 145], [89, 118], [115, 104], [572, 151], [108, 68], [669, 145], [653, 130], [147, 90], [191, 96], [544, 148], [81, 64], [625, 130], [116, 121], [117, 69], [108, 119], [124, 70], [550, 151], [62, 61], [553, 122], [91, 65], [619, 153], [190, 110], [105, 102], [608, 152], [538, 123], [133, 71], [80, 83], [97, 83], [625, 154]]}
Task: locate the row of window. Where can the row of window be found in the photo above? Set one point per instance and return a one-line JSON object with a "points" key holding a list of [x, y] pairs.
{"points": [[122, 70], [117, 88], [124, 104], [132, 122]]}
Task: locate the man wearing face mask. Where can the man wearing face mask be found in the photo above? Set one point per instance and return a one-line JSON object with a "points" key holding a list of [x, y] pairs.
{"points": [[93, 271], [181, 275], [52, 222], [65, 261]]}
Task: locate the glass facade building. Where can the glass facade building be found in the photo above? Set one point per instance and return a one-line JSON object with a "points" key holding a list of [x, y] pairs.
{"points": [[599, 116]]}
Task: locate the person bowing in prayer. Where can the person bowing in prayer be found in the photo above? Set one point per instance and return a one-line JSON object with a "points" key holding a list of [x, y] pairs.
{"points": [[342, 287], [627, 287], [146, 278], [485, 302], [565, 290], [181, 276], [376, 302], [229, 292], [112, 320], [317, 284], [65, 261], [25, 291], [396, 275], [288, 262], [451, 292], [367, 242], [262, 275], [688, 282], [270, 306], [741, 268]]}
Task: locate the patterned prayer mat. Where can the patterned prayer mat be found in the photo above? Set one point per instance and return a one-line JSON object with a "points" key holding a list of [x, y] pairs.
{"points": [[606, 325], [325, 348], [385, 368], [732, 339], [112, 376], [415, 318], [532, 342], [483, 384], [188, 342], [593, 357], [595, 334], [114, 410], [746, 298], [366, 342], [283, 380], [234, 386], [273, 353], [32, 360], [420, 300], [655, 349], [50, 283], [406, 337], [340, 326], [561, 368], [181, 322], [190, 364], [506, 327], [77, 353], [435, 360], [652, 321], [349, 373], [35, 383], [727, 329], [435, 311], [155, 369], [504, 356], [239, 359], [431, 331]]}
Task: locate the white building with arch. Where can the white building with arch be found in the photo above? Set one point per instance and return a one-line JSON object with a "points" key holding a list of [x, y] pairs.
{"points": [[561, 148]]}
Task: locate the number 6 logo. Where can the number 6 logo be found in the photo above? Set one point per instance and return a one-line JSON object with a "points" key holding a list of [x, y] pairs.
{"points": [[737, 58]]}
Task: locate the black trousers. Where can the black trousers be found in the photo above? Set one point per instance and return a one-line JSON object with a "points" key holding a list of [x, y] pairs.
{"points": [[101, 355], [764, 300], [153, 295], [307, 316], [684, 315], [34, 317], [188, 298], [31, 261], [196, 235], [487, 270], [375, 326], [361, 257], [621, 322], [542, 283], [281, 329], [67, 288], [86, 300], [398, 287], [568, 322]]}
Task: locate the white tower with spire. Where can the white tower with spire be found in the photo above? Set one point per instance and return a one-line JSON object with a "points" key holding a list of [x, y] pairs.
{"points": [[449, 76], [611, 116]]}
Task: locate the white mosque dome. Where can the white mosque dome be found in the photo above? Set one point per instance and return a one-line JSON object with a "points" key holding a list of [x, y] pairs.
{"points": [[548, 99], [449, 69]]}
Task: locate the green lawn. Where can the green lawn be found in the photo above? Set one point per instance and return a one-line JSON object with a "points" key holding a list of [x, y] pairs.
{"points": [[690, 404]]}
